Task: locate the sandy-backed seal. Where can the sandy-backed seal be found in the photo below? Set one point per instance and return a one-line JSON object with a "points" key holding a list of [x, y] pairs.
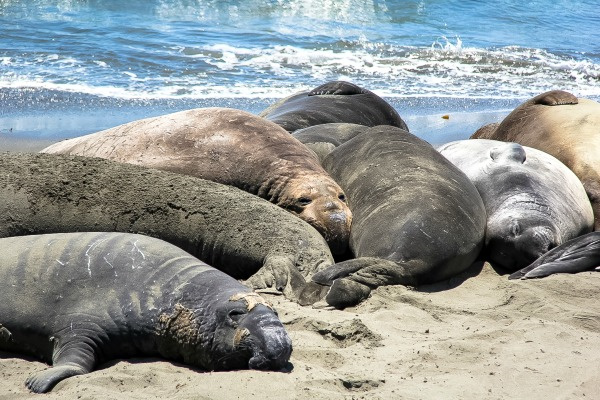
{"points": [[323, 138], [231, 147], [335, 101], [533, 201], [227, 228], [564, 126], [576, 255], [79, 299], [417, 218]]}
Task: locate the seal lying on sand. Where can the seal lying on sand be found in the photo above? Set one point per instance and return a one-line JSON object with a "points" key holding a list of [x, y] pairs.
{"points": [[561, 125], [579, 254], [231, 147], [533, 201], [232, 230], [79, 299], [336, 101], [417, 218]]}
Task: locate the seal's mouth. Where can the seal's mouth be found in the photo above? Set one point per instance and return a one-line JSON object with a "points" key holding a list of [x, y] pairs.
{"points": [[272, 352]]}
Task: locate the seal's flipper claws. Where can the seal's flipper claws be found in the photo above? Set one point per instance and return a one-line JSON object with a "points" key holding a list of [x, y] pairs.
{"points": [[280, 273]]}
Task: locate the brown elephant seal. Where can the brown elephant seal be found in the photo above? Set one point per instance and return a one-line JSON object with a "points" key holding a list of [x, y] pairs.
{"points": [[79, 299], [238, 233], [564, 126], [231, 147], [335, 101], [417, 218], [533, 201]]}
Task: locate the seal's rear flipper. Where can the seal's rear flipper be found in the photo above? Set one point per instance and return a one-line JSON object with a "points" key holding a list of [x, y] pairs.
{"points": [[340, 88], [576, 255], [44, 381]]}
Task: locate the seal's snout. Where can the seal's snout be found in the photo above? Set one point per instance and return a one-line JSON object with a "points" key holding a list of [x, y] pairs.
{"points": [[271, 345]]}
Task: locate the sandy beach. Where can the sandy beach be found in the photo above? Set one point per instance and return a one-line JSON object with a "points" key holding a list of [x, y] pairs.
{"points": [[475, 336]]}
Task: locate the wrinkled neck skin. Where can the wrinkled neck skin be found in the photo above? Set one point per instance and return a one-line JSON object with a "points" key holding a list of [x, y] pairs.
{"points": [[519, 231], [318, 200]]}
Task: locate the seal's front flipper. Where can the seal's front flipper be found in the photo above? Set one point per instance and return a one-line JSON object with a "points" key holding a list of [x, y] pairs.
{"points": [[575, 255], [44, 381], [339, 88], [346, 293], [555, 98], [278, 272]]}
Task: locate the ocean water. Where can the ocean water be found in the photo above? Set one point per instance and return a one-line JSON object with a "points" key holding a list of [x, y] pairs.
{"points": [[70, 67]]}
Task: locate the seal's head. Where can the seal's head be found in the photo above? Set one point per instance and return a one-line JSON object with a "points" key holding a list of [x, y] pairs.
{"points": [[249, 335], [320, 201], [517, 241]]}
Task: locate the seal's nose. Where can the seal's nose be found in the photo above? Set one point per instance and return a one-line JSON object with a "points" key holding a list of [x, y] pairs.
{"points": [[271, 345]]}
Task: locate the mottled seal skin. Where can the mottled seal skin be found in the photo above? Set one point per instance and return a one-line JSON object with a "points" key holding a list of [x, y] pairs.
{"points": [[576, 255], [417, 218], [564, 126], [533, 201], [323, 138], [234, 231], [79, 299], [332, 102], [231, 147]]}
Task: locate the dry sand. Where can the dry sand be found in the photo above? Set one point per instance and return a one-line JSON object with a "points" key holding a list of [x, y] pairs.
{"points": [[478, 336]]}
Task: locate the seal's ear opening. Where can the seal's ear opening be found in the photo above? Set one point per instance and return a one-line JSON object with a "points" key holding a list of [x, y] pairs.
{"points": [[509, 152]]}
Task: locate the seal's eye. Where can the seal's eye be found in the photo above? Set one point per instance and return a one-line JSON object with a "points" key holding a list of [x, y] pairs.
{"points": [[304, 201], [236, 315], [342, 197]]}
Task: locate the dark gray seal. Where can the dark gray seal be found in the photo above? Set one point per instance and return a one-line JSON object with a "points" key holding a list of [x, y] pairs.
{"points": [[533, 201], [323, 138], [79, 299], [576, 255], [562, 125], [417, 218], [234, 231], [336, 101], [232, 147]]}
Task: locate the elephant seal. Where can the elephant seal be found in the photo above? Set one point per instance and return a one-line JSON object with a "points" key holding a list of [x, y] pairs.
{"points": [[561, 125], [576, 255], [79, 299], [234, 231], [417, 218], [231, 147], [323, 138], [533, 201], [335, 101]]}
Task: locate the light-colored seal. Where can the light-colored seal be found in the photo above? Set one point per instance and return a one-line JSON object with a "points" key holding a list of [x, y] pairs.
{"points": [[231, 147], [231, 230], [533, 201], [562, 125], [79, 299], [332, 102], [417, 218]]}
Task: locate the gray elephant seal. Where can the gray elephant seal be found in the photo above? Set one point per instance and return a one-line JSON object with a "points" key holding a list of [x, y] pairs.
{"points": [[323, 138], [562, 125], [231, 147], [234, 231], [79, 299], [533, 201], [417, 218], [336, 101]]}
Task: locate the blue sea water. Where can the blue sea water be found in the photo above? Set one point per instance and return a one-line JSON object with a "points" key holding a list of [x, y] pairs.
{"points": [[70, 67]]}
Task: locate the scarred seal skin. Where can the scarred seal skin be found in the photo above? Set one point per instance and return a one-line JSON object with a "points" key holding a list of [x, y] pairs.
{"points": [[76, 300], [562, 125], [232, 147], [234, 231], [533, 201], [333, 102], [417, 218]]}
